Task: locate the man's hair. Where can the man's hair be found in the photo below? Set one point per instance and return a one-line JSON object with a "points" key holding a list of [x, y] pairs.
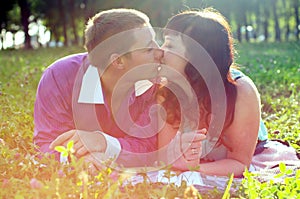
{"points": [[107, 23]]}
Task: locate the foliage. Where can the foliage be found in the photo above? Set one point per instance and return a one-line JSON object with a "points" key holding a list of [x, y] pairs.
{"points": [[258, 20], [24, 173], [289, 187]]}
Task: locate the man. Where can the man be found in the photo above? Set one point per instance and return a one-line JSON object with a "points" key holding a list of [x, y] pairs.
{"points": [[88, 97]]}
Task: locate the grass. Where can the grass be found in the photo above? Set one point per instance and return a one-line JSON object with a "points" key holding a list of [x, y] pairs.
{"points": [[274, 67]]}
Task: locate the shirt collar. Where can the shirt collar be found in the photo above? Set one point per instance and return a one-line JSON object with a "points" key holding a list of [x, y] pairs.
{"points": [[91, 89]]}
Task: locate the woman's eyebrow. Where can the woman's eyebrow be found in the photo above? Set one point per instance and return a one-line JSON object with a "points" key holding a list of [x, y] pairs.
{"points": [[167, 37]]}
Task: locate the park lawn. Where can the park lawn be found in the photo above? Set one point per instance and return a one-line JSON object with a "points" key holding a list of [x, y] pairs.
{"points": [[274, 67]]}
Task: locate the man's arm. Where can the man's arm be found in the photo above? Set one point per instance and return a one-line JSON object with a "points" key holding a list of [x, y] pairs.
{"points": [[137, 148], [53, 105], [52, 112], [128, 151]]}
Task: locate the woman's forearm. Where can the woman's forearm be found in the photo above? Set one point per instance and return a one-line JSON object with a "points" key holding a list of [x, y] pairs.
{"points": [[223, 167]]}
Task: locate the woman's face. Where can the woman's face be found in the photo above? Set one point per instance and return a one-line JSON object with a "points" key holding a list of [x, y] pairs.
{"points": [[174, 53], [174, 62]]}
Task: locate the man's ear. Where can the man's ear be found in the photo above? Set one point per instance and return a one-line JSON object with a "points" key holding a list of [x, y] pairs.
{"points": [[116, 61]]}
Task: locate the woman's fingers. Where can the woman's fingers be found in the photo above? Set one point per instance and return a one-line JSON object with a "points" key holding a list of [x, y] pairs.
{"points": [[191, 144], [192, 137], [185, 146], [193, 153], [184, 163], [191, 141], [189, 147]]}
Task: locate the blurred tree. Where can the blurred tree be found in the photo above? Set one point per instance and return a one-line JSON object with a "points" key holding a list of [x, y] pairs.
{"points": [[296, 11], [53, 19], [66, 19], [256, 19], [157, 10], [62, 16], [265, 17], [14, 23], [287, 15], [239, 8], [72, 10], [4, 9], [25, 14], [276, 21]]}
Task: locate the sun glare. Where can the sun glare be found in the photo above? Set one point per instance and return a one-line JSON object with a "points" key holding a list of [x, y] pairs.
{"points": [[37, 31]]}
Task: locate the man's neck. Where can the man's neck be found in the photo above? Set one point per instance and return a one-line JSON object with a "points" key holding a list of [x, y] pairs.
{"points": [[107, 88], [114, 92]]}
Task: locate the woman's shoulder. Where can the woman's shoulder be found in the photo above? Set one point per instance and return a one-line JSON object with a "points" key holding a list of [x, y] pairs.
{"points": [[245, 124], [247, 106], [246, 88], [247, 102]]}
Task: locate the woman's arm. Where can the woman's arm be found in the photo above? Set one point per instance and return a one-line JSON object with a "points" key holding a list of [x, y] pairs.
{"points": [[241, 135]]}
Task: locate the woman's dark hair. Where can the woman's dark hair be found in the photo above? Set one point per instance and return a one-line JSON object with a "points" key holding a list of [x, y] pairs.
{"points": [[211, 30]]}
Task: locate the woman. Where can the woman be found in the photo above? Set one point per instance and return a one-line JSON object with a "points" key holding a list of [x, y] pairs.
{"points": [[242, 128]]}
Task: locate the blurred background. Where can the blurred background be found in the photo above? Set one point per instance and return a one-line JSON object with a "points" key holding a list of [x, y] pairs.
{"points": [[51, 23]]}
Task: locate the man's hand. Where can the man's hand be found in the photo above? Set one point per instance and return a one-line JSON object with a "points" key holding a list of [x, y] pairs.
{"points": [[84, 142]]}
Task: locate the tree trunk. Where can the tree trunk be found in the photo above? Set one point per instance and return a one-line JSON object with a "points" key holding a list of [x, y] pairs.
{"points": [[56, 37], [89, 11], [287, 19], [266, 22], [73, 24], [277, 28], [238, 33], [64, 23], [25, 14], [1, 39], [246, 27], [257, 20], [296, 11], [13, 40]]}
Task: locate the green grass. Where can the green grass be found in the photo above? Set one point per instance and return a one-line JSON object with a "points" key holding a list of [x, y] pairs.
{"points": [[275, 69]]}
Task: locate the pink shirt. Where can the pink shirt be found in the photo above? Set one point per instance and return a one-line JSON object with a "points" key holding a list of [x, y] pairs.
{"points": [[58, 109]]}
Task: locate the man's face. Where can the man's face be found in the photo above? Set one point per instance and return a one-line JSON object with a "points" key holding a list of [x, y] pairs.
{"points": [[145, 53]]}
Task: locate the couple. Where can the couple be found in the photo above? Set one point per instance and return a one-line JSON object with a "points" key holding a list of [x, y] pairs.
{"points": [[106, 100]]}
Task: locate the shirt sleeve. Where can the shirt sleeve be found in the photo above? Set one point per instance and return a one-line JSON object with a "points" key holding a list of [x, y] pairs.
{"points": [[113, 146], [52, 111], [137, 152]]}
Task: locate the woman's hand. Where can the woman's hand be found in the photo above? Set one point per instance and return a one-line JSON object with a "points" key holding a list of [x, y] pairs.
{"points": [[190, 149]]}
